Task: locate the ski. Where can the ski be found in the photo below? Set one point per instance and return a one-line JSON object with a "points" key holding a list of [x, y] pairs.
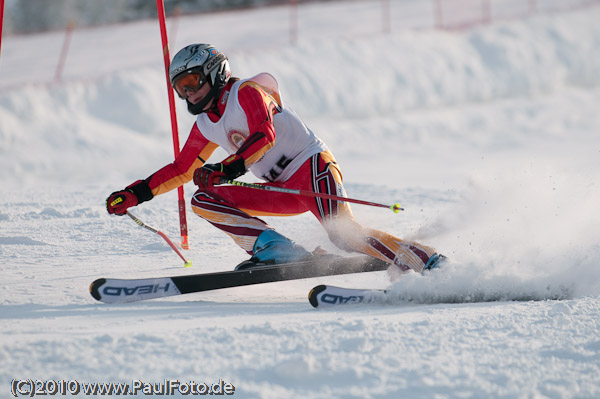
{"points": [[110, 290], [323, 296], [328, 295]]}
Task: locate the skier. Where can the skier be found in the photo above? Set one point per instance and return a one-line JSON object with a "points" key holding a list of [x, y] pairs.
{"points": [[248, 119]]}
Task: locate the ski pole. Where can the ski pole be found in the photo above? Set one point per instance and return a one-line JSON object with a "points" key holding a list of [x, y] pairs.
{"points": [[305, 193], [186, 263]]}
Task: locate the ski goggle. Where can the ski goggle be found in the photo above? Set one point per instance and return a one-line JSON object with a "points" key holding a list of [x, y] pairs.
{"points": [[189, 82]]}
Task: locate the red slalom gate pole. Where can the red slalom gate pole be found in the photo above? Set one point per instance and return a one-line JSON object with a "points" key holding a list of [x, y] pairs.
{"points": [[305, 193], [63, 52], [1, 21], [160, 6]]}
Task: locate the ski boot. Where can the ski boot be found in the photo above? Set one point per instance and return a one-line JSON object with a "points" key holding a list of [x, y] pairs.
{"points": [[434, 262], [271, 248]]}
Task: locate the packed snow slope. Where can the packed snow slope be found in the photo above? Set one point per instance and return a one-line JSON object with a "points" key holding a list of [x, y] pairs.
{"points": [[490, 140]]}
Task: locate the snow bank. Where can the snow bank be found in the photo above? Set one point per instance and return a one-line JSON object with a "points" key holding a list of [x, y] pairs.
{"points": [[416, 70], [380, 77]]}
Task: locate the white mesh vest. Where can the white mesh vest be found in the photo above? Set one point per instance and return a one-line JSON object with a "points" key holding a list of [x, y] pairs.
{"points": [[294, 141]]}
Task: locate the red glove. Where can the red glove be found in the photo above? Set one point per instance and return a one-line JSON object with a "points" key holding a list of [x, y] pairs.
{"points": [[118, 202], [208, 175], [211, 174]]}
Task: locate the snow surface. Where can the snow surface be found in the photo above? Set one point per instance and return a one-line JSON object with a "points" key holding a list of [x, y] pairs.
{"points": [[488, 138]]}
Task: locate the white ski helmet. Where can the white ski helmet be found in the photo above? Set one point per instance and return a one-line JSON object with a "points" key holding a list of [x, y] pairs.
{"points": [[194, 65]]}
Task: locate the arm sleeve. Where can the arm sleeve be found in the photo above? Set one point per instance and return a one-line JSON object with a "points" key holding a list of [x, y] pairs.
{"points": [[194, 154], [259, 108]]}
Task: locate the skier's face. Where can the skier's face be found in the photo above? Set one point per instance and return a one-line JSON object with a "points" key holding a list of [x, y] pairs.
{"points": [[193, 87], [196, 96]]}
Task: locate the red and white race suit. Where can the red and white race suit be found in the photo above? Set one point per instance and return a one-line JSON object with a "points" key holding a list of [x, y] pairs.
{"points": [[280, 149]]}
